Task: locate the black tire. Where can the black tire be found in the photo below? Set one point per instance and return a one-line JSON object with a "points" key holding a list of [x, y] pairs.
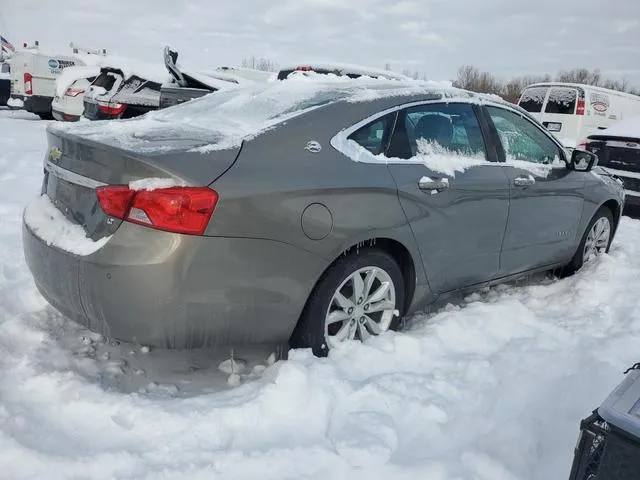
{"points": [[46, 116], [578, 259], [310, 330]]}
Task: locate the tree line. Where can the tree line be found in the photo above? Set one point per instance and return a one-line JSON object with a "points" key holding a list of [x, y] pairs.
{"points": [[470, 78]]}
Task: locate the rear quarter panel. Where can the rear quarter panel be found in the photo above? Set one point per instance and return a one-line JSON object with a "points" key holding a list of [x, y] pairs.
{"points": [[275, 179]]}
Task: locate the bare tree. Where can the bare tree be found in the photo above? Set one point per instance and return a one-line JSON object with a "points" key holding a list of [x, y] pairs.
{"points": [[260, 63], [470, 78]]}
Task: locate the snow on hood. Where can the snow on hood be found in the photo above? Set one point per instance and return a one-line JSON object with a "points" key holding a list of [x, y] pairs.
{"points": [[228, 117], [629, 128], [71, 74]]}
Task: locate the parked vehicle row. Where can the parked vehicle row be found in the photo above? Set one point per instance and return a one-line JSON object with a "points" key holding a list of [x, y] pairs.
{"points": [[308, 212]]}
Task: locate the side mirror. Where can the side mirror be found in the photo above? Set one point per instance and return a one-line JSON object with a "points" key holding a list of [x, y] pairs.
{"points": [[583, 161]]}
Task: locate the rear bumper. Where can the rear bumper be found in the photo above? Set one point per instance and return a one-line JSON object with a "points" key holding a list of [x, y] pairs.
{"points": [[64, 117], [37, 104], [178, 291]]}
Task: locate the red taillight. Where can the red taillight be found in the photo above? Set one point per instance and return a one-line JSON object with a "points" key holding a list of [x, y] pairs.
{"points": [[112, 109], [74, 92], [175, 209], [304, 68], [580, 108], [28, 84], [115, 200]]}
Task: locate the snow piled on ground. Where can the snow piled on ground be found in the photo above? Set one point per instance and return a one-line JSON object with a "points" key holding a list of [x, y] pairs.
{"points": [[492, 388]]}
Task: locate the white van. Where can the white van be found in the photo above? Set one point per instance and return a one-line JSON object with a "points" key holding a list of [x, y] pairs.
{"points": [[573, 111], [34, 74]]}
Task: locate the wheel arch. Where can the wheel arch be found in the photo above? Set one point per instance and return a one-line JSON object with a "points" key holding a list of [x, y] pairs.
{"points": [[407, 262]]}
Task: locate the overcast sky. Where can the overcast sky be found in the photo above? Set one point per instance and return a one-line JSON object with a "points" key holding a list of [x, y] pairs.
{"points": [[507, 37]]}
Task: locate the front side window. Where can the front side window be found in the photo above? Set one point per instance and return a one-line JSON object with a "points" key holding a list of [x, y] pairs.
{"points": [[373, 136], [562, 101], [532, 99], [437, 129], [521, 139]]}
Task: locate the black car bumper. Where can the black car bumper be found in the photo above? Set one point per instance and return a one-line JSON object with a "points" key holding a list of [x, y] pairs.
{"points": [[37, 104]]}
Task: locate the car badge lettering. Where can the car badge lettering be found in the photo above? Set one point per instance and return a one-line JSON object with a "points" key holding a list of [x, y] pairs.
{"points": [[313, 146]]}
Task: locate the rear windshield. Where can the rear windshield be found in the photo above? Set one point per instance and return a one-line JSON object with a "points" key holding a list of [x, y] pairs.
{"points": [[250, 108], [105, 80], [533, 98], [562, 101], [5, 68]]}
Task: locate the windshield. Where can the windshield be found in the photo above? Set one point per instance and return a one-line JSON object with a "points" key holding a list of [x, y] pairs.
{"points": [[254, 107]]}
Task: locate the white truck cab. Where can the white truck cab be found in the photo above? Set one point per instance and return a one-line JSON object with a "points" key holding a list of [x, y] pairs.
{"points": [[573, 111], [34, 73]]}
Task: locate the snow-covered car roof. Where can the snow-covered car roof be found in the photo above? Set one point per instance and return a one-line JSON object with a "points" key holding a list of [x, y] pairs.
{"points": [[629, 128], [340, 69], [236, 114], [129, 67], [71, 74]]}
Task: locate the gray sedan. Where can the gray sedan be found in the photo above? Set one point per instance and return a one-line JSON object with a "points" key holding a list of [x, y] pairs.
{"points": [[306, 211]]}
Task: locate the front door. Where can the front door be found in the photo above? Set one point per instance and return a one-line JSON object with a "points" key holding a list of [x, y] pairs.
{"points": [[546, 198], [454, 194]]}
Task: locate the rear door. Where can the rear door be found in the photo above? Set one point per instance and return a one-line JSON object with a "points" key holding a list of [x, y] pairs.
{"points": [[564, 110], [546, 197], [455, 196]]}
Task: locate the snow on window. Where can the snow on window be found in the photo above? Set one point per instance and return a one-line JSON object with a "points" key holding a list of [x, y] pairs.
{"points": [[442, 160], [533, 98], [52, 227]]}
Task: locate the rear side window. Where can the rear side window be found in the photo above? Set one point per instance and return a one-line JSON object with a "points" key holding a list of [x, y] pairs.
{"points": [[562, 101], [373, 137], [437, 129], [105, 80], [532, 99], [5, 68]]}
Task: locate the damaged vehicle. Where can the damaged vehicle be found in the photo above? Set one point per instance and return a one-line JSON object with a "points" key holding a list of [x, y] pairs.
{"points": [[185, 86], [123, 89], [305, 212]]}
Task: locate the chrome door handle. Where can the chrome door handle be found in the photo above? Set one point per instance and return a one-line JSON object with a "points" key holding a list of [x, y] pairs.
{"points": [[433, 186], [524, 181]]}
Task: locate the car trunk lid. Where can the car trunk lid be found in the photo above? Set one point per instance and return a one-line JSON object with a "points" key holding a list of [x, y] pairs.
{"points": [[75, 166]]}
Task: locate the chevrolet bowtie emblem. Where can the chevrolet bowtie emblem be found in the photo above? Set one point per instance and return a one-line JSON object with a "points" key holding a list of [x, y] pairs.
{"points": [[55, 154]]}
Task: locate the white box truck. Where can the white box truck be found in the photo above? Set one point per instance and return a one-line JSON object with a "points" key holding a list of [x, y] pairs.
{"points": [[573, 111], [34, 73]]}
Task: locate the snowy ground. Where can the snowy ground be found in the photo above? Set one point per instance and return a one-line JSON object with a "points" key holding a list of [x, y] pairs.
{"points": [[492, 389]]}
